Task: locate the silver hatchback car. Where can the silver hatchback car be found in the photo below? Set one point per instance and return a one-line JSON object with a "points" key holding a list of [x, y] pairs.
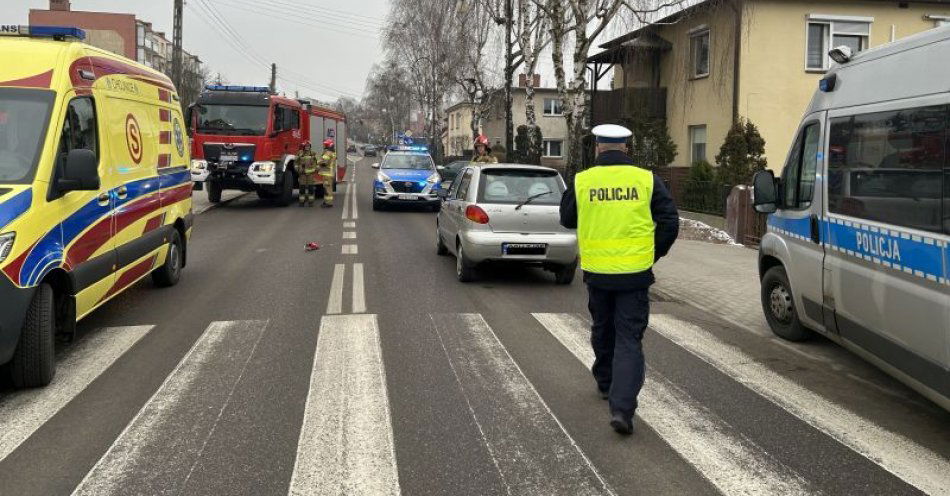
{"points": [[506, 213]]}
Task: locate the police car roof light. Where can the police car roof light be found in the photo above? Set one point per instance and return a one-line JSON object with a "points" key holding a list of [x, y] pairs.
{"points": [[55, 32], [405, 148], [248, 89]]}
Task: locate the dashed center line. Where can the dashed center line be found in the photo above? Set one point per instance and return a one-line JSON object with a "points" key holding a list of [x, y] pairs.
{"points": [[359, 291], [349, 225], [349, 235], [335, 305], [350, 250]]}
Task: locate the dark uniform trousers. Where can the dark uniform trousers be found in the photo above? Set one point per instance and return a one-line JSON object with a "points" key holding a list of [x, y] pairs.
{"points": [[620, 319]]}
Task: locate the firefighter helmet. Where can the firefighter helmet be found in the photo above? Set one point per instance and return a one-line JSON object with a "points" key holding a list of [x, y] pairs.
{"points": [[482, 140], [328, 143]]}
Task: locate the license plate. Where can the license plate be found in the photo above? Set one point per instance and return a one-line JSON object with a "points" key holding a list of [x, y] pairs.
{"points": [[524, 248], [229, 157], [408, 197]]}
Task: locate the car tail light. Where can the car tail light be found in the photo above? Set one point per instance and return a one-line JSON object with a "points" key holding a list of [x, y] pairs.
{"points": [[475, 214]]}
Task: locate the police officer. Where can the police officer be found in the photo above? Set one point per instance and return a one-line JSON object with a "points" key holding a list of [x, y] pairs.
{"points": [[306, 165], [625, 220], [483, 151], [327, 164]]}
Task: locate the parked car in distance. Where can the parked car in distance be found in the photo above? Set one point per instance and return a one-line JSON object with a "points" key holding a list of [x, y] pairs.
{"points": [[506, 213], [351, 149], [369, 151]]}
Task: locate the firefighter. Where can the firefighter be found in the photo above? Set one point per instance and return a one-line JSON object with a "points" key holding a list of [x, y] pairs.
{"points": [[327, 164], [483, 151], [625, 220], [306, 166]]}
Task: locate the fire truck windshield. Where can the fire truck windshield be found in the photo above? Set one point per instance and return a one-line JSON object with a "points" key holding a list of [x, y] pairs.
{"points": [[250, 120]]}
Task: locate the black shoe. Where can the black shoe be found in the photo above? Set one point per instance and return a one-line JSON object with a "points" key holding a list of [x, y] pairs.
{"points": [[603, 394], [621, 424]]}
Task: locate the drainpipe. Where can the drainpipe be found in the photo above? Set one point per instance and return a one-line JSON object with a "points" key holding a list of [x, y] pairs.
{"points": [[737, 6]]}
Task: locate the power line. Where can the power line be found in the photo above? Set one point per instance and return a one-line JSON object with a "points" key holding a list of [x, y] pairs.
{"points": [[355, 19], [261, 7], [218, 22]]}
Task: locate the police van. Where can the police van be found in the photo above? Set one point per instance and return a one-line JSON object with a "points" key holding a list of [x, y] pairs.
{"points": [[857, 241], [95, 190]]}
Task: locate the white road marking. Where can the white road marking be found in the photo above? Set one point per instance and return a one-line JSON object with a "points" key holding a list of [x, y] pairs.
{"points": [[349, 235], [354, 208], [346, 197], [335, 303], [532, 451], [911, 462], [160, 448], [359, 291], [23, 412], [349, 225], [346, 442], [731, 462], [350, 250]]}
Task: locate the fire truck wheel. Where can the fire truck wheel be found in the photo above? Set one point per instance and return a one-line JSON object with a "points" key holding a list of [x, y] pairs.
{"points": [[214, 192], [287, 192]]}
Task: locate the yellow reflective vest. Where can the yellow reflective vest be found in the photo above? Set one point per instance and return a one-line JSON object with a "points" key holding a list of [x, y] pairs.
{"points": [[615, 225]]}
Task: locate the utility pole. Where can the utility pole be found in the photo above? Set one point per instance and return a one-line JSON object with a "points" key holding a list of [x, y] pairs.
{"points": [[176, 41], [273, 78], [509, 74]]}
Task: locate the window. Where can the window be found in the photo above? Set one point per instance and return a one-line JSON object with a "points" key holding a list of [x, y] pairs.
{"points": [[462, 191], [699, 53], [552, 107], [799, 177], [553, 148], [24, 119], [294, 118], [697, 143], [823, 35], [510, 185], [79, 128], [888, 167]]}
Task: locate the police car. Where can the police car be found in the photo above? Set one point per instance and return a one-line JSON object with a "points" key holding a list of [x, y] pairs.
{"points": [[407, 175]]}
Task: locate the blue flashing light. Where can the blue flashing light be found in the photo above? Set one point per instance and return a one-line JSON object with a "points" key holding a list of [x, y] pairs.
{"points": [[56, 32], [246, 89], [827, 84], [404, 148]]}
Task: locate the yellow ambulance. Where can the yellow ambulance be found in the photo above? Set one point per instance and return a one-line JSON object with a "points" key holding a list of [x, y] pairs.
{"points": [[95, 190]]}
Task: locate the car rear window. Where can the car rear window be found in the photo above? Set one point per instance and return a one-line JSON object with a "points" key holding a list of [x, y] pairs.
{"points": [[517, 185]]}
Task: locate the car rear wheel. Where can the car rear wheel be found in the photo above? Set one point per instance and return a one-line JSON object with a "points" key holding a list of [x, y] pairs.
{"points": [[33, 363], [464, 269], [170, 272], [214, 192], [564, 274], [779, 306]]}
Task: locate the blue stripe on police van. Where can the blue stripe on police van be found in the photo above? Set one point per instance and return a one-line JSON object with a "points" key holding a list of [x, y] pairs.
{"points": [[15, 206], [912, 254]]}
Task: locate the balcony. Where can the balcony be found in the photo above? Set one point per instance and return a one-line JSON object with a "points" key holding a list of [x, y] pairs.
{"points": [[613, 106]]}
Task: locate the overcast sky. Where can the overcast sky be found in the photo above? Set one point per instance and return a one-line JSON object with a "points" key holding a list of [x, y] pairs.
{"points": [[323, 48]]}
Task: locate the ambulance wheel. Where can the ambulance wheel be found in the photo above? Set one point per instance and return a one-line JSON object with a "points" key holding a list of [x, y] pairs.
{"points": [[33, 363], [170, 272], [564, 274], [286, 195], [214, 192], [779, 306]]}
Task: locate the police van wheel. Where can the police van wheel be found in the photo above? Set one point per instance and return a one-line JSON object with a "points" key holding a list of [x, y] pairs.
{"points": [[464, 270], [170, 272], [564, 274], [779, 306], [214, 192], [33, 363]]}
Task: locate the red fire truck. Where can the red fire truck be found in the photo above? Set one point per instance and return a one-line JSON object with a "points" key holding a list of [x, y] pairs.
{"points": [[245, 138]]}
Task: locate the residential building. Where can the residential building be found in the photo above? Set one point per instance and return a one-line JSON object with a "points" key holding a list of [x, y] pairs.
{"points": [[125, 35], [550, 118], [458, 138], [762, 60]]}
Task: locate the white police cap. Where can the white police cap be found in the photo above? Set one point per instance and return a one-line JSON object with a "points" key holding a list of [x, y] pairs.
{"points": [[611, 133]]}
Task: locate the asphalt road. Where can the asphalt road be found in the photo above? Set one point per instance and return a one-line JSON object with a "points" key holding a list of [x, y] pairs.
{"points": [[366, 368]]}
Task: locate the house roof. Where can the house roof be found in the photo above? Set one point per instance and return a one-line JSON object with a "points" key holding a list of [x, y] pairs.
{"points": [[706, 4]]}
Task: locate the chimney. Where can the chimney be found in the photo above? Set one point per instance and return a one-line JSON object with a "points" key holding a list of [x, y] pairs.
{"points": [[523, 80], [61, 5]]}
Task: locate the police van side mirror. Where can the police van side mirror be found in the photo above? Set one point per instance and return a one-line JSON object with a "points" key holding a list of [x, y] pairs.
{"points": [[81, 172], [764, 192]]}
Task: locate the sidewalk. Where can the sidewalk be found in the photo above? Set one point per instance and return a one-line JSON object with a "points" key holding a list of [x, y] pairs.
{"points": [[721, 279]]}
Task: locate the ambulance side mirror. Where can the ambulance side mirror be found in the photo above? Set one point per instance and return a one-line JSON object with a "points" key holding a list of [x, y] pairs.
{"points": [[764, 192], [80, 173]]}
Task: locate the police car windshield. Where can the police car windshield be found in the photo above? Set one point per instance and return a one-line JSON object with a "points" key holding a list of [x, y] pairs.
{"points": [[249, 120], [418, 161], [24, 116]]}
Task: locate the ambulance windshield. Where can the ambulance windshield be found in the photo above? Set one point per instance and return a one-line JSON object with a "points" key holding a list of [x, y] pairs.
{"points": [[24, 115], [247, 120]]}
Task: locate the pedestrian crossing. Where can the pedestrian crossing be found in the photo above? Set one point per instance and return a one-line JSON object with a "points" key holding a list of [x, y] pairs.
{"points": [[347, 443]]}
